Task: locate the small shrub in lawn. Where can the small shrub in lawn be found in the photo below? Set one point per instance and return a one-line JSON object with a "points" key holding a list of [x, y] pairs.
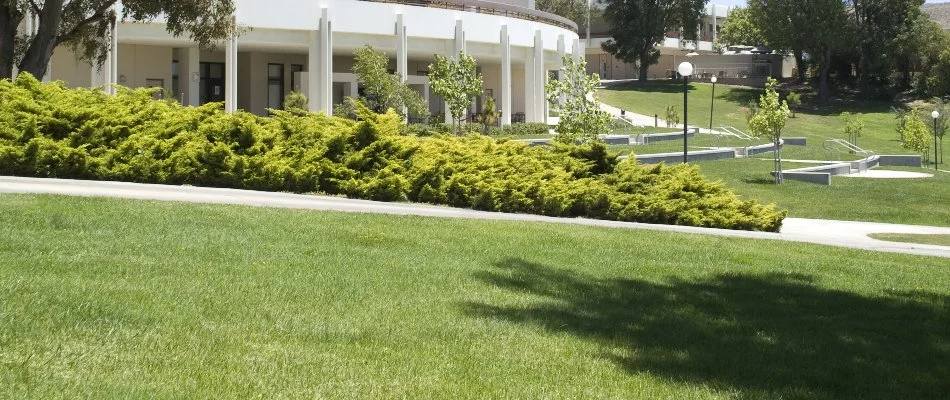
{"points": [[48, 130]]}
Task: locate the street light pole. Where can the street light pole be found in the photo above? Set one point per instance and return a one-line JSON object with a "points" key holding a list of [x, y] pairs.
{"points": [[685, 69], [935, 115], [712, 103]]}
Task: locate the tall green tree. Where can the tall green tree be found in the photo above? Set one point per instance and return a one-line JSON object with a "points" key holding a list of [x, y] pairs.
{"points": [[769, 120], [384, 90], [83, 25], [820, 28], [877, 25], [637, 26], [457, 81], [580, 116], [740, 29]]}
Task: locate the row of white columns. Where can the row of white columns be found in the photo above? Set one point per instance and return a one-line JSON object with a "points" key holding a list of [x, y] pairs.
{"points": [[320, 69]]}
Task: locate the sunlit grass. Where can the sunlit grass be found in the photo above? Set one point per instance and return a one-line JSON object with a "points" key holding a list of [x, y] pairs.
{"points": [[106, 298]]}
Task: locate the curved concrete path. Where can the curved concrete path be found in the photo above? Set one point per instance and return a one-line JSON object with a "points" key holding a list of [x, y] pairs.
{"points": [[834, 233]]}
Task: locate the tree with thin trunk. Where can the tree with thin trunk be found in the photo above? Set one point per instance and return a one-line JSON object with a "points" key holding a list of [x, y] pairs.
{"points": [[85, 26], [769, 120], [383, 90], [580, 116], [457, 81]]}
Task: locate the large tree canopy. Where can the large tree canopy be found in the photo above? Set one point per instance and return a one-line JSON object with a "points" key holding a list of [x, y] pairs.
{"points": [[637, 26], [83, 25], [740, 29]]}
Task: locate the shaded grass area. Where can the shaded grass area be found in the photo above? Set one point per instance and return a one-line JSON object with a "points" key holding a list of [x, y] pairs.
{"points": [[940, 240], [905, 201], [121, 298], [816, 121]]}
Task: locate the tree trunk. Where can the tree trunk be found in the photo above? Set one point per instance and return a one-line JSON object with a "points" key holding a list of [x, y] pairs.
{"points": [[37, 56], [864, 81], [800, 64], [644, 67], [824, 91], [778, 161], [9, 19]]}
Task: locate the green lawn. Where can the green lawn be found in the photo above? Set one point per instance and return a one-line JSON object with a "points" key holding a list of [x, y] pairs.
{"points": [[912, 201], [817, 122], [905, 201], [106, 298], [940, 240]]}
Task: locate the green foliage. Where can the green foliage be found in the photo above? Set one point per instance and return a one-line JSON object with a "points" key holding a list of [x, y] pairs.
{"points": [[84, 27], [915, 133], [770, 116], [740, 29], [489, 117], [580, 116], [384, 91], [637, 26], [48, 130], [521, 129], [456, 81], [672, 116], [295, 102], [853, 127], [794, 100], [768, 121]]}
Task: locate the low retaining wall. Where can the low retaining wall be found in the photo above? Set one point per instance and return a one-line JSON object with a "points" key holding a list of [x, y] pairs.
{"points": [[761, 148], [648, 138], [698, 155], [795, 141], [908, 160], [821, 178]]}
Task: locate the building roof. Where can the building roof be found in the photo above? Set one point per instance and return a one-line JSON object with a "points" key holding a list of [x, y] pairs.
{"points": [[939, 12]]}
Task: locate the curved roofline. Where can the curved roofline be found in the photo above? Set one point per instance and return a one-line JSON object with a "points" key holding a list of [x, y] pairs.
{"points": [[491, 8]]}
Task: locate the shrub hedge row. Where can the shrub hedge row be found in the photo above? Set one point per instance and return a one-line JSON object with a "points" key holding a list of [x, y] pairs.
{"points": [[47, 130]]}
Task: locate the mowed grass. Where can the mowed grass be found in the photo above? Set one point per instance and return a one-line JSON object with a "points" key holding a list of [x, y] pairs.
{"points": [[106, 298], [939, 240], [909, 201], [918, 201], [816, 121]]}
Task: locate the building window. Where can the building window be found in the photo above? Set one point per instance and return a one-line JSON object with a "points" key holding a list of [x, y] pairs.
{"points": [[211, 84], [275, 86], [176, 91], [294, 85]]}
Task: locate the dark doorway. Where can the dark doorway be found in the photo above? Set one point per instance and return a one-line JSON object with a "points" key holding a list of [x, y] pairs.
{"points": [[211, 86]]}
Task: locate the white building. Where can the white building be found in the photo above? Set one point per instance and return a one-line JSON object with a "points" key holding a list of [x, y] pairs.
{"points": [[308, 45]]}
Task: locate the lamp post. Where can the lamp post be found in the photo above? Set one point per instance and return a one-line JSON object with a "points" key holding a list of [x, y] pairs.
{"points": [[712, 103], [685, 69], [935, 115]]}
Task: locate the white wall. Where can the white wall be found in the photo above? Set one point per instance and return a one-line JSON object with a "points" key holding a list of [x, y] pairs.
{"points": [[64, 66], [137, 63]]}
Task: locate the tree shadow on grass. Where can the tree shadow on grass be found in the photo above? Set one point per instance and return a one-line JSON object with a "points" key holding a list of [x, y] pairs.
{"points": [[772, 335]]}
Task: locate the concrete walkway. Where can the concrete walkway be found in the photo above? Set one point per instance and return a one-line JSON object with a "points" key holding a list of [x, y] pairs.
{"points": [[834, 233]]}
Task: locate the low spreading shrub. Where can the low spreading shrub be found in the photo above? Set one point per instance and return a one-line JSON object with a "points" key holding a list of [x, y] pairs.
{"points": [[47, 130]]}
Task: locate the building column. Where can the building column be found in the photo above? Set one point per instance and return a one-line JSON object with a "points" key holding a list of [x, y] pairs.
{"points": [[189, 75], [313, 71], [560, 65], [354, 89], [540, 76], [714, 24], [459, 47], [230, 75], [529, 91], [578, 52], [402, 49], [113, 59], [326, 63], [505, 76]]}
